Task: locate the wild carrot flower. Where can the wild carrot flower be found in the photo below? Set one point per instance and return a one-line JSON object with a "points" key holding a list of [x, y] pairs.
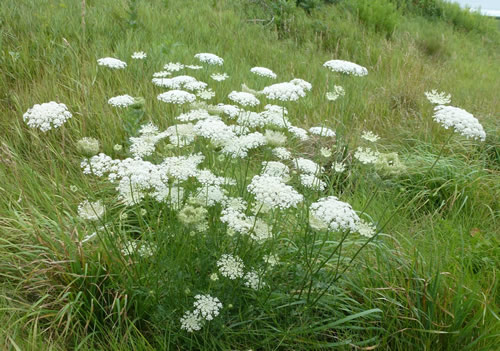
{"points": [[437, 98], [230, 266], [322, 131], [273, 192], [177, 97], [244, 99], [111, 62], [366, 155], [219, 76], [191, 321], [88, 146], [121, 101], [332, 214], [91, 211], [337, 92], [139, 55], [460, 120], [284, 92], [264, 72], [47, 116], [346, 67], [370, 136], [210, 59]]}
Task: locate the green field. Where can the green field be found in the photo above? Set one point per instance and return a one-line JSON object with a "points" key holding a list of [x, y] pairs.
{"points": [[287, 271]]}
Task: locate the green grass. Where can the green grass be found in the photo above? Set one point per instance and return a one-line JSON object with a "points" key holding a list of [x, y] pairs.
{"points": [[427, 281]]}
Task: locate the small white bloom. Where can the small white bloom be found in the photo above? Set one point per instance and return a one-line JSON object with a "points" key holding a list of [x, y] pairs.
{"points": [[306, 86], [121, 101], [173, 67], [366, 155], [111, 63], [299, 132], [325, 152], [346, 67], [282, 153], [244, 99], [206, 94], [139, 55], [210, 59], [252, 280], [438, 98], [177, 97], [370, 136], [312, 182], [194, 67], [366, 229], [191, 321], [214, 277], [230, 266], [307, 166], [219, 76], [333, 214], [338, 167], [273, 192], [322, 131], [264, 72], [284, 92], [162, 74], [207, 306], [337, 92]]}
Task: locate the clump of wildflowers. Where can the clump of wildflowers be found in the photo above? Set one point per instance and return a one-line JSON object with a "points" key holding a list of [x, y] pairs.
{"points": [[47, 116], [210, 59], [346, 67], [111, 62], [460, 120], [437, 98], [264, 72], [91, 211], [88, 146]]}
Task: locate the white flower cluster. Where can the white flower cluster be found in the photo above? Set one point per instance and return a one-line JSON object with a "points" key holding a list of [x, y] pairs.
{"points": [[162, 74], [346, 67], [121, 101], [144, 145], [312, 182], [366, 229], [194, 115], [370, 136], [366, 155], [111, 62], [252, 280], [173, 67], [332, 214], [299, 132], [181, 134], [47, 116], [460, 120], [282, 153], [219, 77], [139, 248], [180, 82], [306, 86], [322, 131], [231, 266], [206, 307], [307, 166], [139, 55], [273, 192], [286, 91], [91, 211], [276, 169], [264, 72], [210, 59], [437, 98], [177, 97], [230, 110], [337, 92], [244, 99], [239, 146]]}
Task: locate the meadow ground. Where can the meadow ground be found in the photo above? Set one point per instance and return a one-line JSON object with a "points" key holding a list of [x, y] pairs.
{"points": [[427, 279]]}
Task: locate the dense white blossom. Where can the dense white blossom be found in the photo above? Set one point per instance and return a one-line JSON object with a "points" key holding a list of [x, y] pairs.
{"points": [[366, 229], [275, 138], [239, 146], [206, 94], [177, 82], [322, 131], [139, 55], [194, 67], [230, 110], [312, 182], [144, 145], [230, 266], [182, 167], [244, 99], [370, 136], [194, 115], [219, 76], [346, 67], [282, 153], [366, 155], [306, 86], [47, 116], [207, 306], [460, 120], [181, 134], [121, 101], [252, 280], [214, 129], [176, 97], [273, 192], [284, 92], [162, 74], [191, 321], [173, 67], [211, 59], [276, 169], [437, 98], [307, 166], [264, 72], [332, 214], [299, 132], [111, 63]]}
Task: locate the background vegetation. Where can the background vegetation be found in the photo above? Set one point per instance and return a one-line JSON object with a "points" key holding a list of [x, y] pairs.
{"points": [[433, 275]]}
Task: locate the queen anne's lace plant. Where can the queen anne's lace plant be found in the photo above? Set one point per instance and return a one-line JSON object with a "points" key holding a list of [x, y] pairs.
{"points": [[282, 153], [111, 62], [206, 94], [244, 99], [322, 131], [138, 248], [91, 211], [219, 76], [88, 146], [181, 134], [299, 132], [173, 67], [230, 110], [47, 116], [121, 101], [276, 169], [366, 155], [275, 138], [230, 266], [240, 145], [207, 306], [346, 67], [273, 192], [284, 92], [437, 98], [370, 136], [307, 166], [210, 59], [191, 321], [306, 86], [178, 82], [177, 97], [144, 145], [366, 229], [194, 67], [337, 92], [194, 115], [252, 280], [264, 72], [312, 182], [460, 120], [139, 55], [338, 167], [162, 74], [332, 214]]}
